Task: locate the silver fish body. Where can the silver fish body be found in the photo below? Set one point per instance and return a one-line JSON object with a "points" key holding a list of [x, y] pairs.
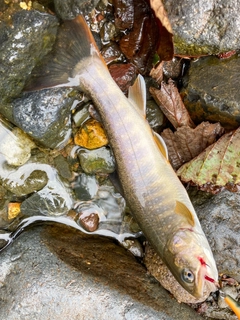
{"points": [[157, 199]]}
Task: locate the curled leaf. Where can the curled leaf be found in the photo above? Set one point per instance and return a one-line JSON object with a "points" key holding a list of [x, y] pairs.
{"points": [[165, 46], [217, 166], [170, 102], [187, 143]]}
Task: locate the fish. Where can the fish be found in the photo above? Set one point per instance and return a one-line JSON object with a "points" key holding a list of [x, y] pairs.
{"points": [[157, 199]]}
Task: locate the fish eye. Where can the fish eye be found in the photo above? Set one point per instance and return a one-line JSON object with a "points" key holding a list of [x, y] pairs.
{"points": [[187, 275]]}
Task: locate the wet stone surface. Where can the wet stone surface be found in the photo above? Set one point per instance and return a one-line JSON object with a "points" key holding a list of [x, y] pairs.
{"points": [[219, 217], [204, 27], [25, 39], [69, 9], [104, 283], [97, 161], [45, 115], [211, 91]]}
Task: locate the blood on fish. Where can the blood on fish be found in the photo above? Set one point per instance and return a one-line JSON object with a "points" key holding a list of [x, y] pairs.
{"points": [[203, 263], [209, 279]]}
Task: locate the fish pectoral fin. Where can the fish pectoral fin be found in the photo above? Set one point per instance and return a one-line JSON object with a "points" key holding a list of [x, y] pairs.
{"points": [[161, 144], [74, 43], [137, 94], [185, 212]]}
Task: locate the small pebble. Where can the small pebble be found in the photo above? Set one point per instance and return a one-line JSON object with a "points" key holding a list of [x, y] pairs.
{"points": [[91, 135]]}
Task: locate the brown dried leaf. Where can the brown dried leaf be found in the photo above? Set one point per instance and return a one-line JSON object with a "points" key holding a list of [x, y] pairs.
{"points": [[161, 14], [165, 47], [187, 143], [139, 44], [217, 166], [157, 73], [170, 102]]}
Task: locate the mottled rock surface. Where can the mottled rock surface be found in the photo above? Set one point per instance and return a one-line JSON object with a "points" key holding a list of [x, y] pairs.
{"points": [[212, 91], [69, 9], [205, 26], [219, 217], [45, 115], [25, 38], [89, 278]]}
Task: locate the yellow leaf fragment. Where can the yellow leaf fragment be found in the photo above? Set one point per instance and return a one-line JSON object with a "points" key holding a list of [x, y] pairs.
{"points": [[217, 166], [13, 210], [91, 135]]}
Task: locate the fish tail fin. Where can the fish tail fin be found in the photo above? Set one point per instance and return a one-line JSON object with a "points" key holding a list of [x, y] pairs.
{"points": [[74, 43]]}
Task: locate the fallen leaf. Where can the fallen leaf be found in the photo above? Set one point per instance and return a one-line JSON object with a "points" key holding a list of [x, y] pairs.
{"points": [[170, 102], [139, 43], [186, 143], [157, 73], [123, 74], [165, 46], [217, 166]]}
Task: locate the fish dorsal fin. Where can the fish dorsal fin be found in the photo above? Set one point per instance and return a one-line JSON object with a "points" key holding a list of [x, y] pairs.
{"points": [[74, 43], [161, 144], [185, 212], [137, 94]]}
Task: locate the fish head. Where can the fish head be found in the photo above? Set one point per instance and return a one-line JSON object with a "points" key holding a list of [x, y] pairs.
{"points": [[190, 259]]}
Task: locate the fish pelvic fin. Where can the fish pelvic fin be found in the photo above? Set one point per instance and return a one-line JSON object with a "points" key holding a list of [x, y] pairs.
{"points": [[60, 68], [185, 212]]}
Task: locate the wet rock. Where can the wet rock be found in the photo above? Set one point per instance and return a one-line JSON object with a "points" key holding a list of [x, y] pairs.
{"points": [[81, 115], [86, 276], [69, 9], [89, 222], [124, 14], [219, 217], [45, 115], [53, 200], [91, 135], [63, 167], [155, 116], [15, 146], [173, 68], [24, 180], [85, 187], [25, 38], [210, 95], [107, 32], [13, 210], [97, 161], [111, 53], [204, 27]]}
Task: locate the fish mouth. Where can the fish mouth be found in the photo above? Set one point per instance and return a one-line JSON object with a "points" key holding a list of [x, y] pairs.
{"points": [[204, 284]]}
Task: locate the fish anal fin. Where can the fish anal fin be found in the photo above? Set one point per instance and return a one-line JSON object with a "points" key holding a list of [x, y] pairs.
{"points": [[73, 46], [137, 94], [161, 144], [185, 212]]}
